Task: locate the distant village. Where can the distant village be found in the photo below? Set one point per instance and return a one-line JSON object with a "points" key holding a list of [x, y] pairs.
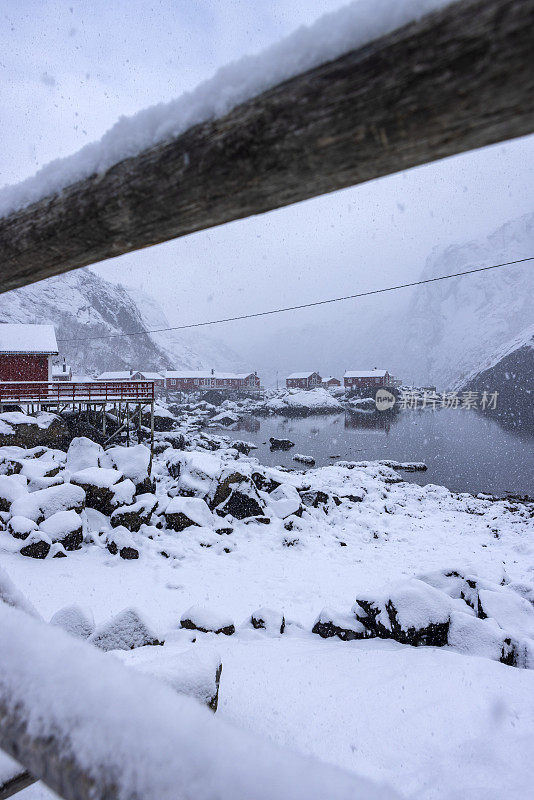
{"points": [[30, 353]]}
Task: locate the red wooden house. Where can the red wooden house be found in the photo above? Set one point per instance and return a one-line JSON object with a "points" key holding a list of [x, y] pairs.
{"points": [[195, 381], [303, 380], [26, 352], [368, 379], [331, 382]]}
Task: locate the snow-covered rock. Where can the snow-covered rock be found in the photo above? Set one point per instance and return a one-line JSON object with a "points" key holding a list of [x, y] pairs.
{"points": [[65, 527], [335, 623], [84, 453], [24, 430], [21, 527], [40, 505], [133, 463], [99, 485], [120, 540], [315, 401], [11, 487], [75, 620], [134, 515], [285, 500], [190, 672], [182, 512], [268, 620], [36, 545], [125, 631], [207, 620], [411, 612], [308, 460]]}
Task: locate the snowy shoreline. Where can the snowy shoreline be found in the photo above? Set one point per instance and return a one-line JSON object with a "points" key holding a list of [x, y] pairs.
{"points": [[319, 581]]}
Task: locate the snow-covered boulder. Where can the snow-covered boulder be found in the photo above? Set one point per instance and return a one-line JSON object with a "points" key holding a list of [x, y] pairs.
{"points": [[133, 463], [225, 419], [125, 631], [244, 447], [23, 430], [120, 540], [134, 515], [40, 505], [84, 453], [411, 612], [99, 486], [308, 460], [199, 618], [285, 501], [21, 527], [484, 637], [36, 545], [182, 512], [65, 527], [334, 623], [266, 619], [11, 487], [512, 612], [281, 444], [190, 672], [164, 420], [198, 472], [75, 620], [315, 401]]}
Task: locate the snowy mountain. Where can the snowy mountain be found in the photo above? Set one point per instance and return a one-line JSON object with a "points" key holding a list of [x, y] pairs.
{"points": [[82, 306], [453, 327], [510, 372]]}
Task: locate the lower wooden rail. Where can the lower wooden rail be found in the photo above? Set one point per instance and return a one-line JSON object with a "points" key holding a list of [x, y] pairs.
{"points": [[92, 729]]}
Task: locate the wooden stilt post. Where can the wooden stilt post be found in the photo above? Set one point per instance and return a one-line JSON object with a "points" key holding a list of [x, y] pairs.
{"points": [[151, 436], [127, 424]]}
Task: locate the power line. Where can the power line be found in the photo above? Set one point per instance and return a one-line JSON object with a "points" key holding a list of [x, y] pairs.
{"points": [[302, 305]]}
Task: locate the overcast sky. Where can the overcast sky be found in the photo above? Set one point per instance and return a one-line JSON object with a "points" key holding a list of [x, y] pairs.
{"points": [[70, 69]]}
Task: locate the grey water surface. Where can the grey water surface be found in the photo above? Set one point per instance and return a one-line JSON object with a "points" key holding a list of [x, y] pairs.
{"points": [[462, 449]]}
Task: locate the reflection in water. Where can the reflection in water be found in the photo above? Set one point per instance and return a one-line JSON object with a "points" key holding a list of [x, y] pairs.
{"points": [[380, 422], [462, 449]]}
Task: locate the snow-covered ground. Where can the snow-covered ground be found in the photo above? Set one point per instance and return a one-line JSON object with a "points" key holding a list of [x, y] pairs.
{"points": [[433, 722]]}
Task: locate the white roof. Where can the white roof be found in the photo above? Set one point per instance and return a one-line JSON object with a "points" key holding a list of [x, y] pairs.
{"points": [[302, 374], [22, 338], [57, 369], [330, 378], [369, 373], [151, 376], [124, 375], [206, 373]]}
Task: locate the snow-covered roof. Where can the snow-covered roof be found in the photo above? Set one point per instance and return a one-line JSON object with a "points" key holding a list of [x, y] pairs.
{"points": [[124, 375], [207, 373], [369, 373], [24, 338], [298, 375], [151, 376], [330, 378]]}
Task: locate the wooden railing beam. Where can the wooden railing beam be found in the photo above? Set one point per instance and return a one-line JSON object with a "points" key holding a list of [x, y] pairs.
{"points": [[459, 79]]}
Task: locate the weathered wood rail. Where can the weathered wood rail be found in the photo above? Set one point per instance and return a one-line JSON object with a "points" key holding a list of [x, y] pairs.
{"points": [[89, 727], [460, 78]]}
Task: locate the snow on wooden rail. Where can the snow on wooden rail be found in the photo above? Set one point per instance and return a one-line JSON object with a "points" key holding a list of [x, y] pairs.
{"points": [[90, 728], [460, 78], [56, 392]]}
